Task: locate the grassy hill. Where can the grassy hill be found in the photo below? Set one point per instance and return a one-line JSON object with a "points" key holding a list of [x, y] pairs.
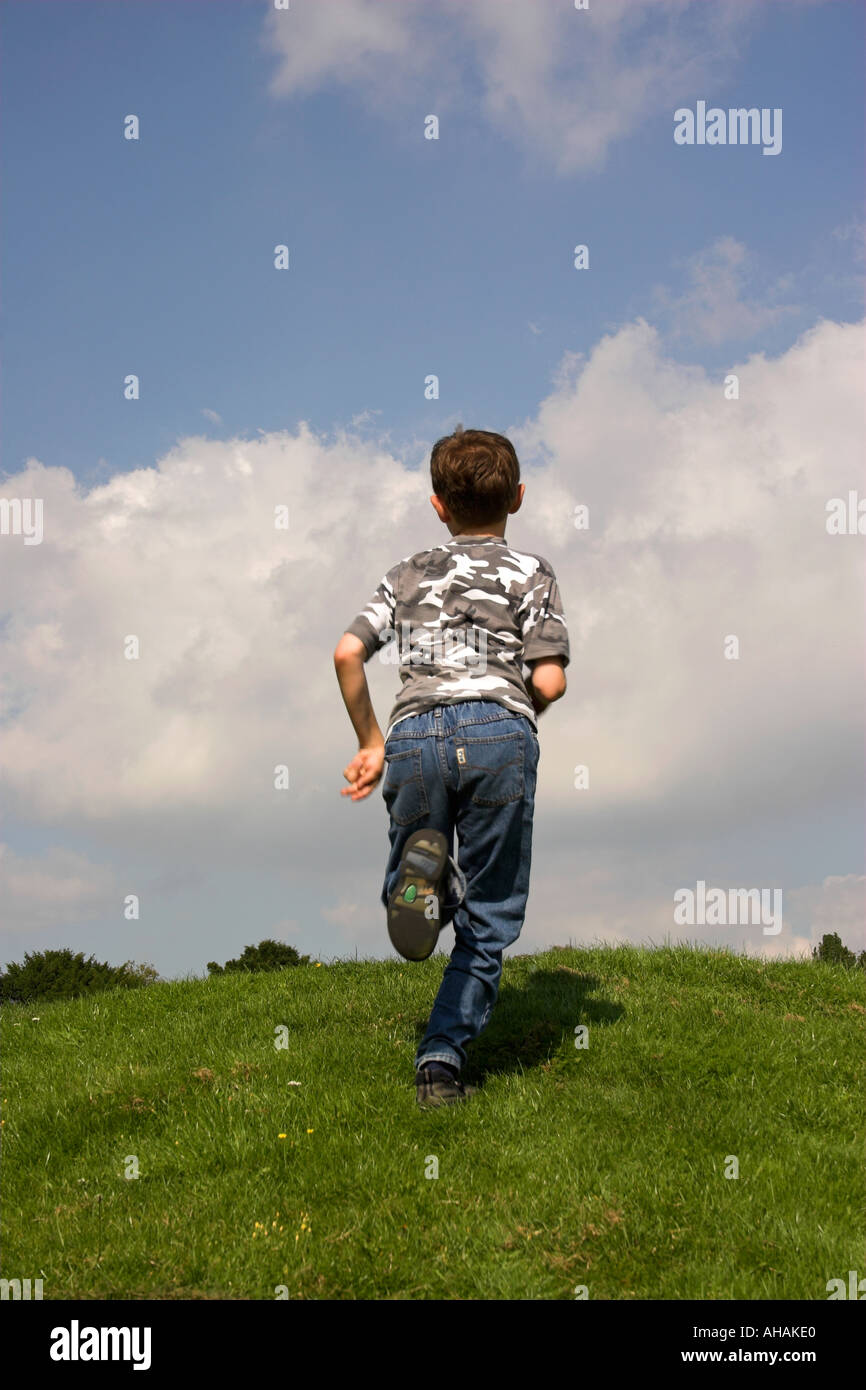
{"points": [[603, 1167]]}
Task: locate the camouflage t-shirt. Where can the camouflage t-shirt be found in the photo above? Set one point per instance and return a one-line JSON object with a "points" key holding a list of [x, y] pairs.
{"points": [[461, 621]]}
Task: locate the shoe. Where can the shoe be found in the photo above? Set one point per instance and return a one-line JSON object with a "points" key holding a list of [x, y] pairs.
{"points": [[436, 1084], [414, 907]]}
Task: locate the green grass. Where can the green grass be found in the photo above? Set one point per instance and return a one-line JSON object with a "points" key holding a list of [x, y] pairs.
{"points": [[602, 1167]]}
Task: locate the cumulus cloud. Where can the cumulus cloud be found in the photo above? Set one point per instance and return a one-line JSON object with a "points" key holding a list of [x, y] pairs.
{"points": [[230, 613], [563, 83], [706, 521]]}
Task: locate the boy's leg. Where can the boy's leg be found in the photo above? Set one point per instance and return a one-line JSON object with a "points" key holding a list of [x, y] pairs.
{"points": [[417, 798], [492, 760]]}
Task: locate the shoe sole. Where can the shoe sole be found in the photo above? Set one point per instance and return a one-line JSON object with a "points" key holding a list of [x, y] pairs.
{"points": [[413, 932]]}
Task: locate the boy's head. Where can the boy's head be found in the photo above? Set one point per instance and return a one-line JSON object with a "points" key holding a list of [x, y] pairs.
{"points": [[476, 480]]}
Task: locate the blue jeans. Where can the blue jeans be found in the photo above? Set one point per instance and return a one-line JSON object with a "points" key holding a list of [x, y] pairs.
{"points": [[470, 768]]}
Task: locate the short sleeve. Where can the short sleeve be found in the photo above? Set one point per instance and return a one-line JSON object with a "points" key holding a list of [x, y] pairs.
{"points": [[545, 634], [374, 625]]}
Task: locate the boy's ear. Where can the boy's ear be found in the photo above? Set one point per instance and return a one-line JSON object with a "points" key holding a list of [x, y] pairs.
{"points": [[440, 509], [516, 508]]}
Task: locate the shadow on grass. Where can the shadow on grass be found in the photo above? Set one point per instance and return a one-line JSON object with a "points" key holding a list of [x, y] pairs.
{"points": [[530, 1021]]}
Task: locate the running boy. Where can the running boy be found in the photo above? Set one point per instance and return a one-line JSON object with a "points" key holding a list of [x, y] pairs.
{"points": [[480, 637]]}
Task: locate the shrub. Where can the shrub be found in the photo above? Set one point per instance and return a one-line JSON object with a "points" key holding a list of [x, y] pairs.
{"points": [[832, 950], [268, 955], [65, 975]]}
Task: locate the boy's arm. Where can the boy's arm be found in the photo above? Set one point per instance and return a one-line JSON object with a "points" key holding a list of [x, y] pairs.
{"points": [[546, 682], [545, 638], [365, 769], [358, 643]]}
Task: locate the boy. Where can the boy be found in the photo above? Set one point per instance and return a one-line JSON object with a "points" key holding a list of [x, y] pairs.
{"points": [[464, 619]]}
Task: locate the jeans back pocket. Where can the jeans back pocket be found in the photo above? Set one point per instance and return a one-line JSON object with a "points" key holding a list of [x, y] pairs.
{"points": [[403, 788], [491, 769]]}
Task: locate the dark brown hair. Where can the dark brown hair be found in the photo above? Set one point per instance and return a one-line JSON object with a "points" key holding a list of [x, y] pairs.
{"points": [[476, 474]]}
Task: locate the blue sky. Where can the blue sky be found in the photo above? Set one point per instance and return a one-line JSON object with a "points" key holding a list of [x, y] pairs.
{"points": [[409, 257]]}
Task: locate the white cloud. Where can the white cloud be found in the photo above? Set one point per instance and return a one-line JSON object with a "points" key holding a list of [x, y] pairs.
{"points": [[234, 619], [838, 905], [347, 41], [708, 519], [365, 417], [212, 416], [564, 84], [722, 302]]}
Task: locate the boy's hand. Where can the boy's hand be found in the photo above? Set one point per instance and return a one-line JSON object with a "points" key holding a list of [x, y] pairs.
{"points": [[364, 771]]}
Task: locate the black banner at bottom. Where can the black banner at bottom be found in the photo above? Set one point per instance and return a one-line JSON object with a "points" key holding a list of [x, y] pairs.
{"points": [[83, 1338]]}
